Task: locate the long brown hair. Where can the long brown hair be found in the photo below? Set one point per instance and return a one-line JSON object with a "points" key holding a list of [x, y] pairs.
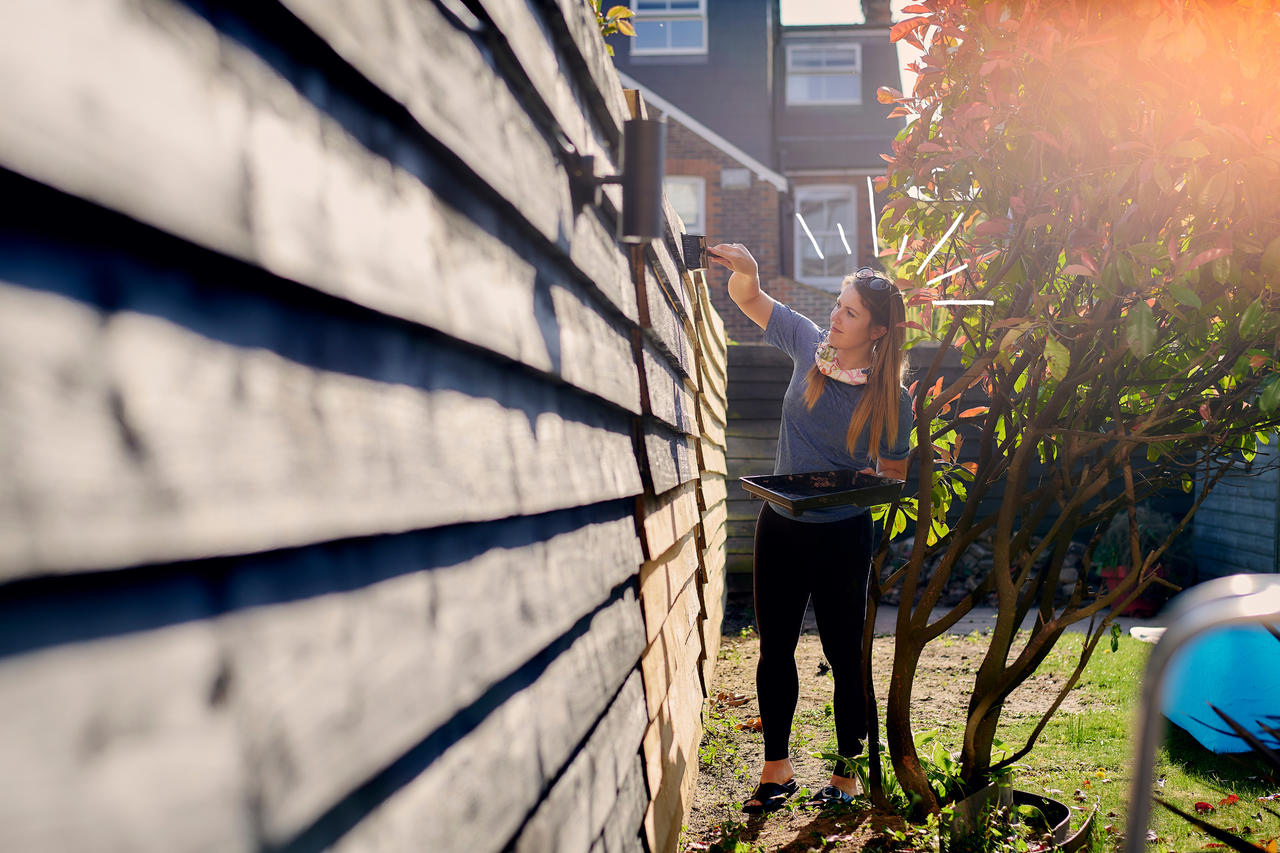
{"points": [[878, 405]]}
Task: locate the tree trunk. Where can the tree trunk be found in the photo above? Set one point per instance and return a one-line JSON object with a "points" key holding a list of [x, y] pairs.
{"points": [[902, 746]]}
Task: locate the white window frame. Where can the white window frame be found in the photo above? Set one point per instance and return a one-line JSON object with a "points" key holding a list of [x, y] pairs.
{"points": [[700, 191], [650, 15], [800, 240], [856, 73]]}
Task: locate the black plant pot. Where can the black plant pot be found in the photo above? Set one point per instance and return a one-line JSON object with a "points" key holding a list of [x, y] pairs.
{"points": [[967, 815]]}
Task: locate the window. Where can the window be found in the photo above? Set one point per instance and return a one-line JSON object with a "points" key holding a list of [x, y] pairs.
{"points": [[688, 196], [669, 27], [824, 74], [828, 213]]}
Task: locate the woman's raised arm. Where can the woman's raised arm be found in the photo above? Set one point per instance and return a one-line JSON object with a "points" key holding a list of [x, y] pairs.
{"points": [[744, 284]]}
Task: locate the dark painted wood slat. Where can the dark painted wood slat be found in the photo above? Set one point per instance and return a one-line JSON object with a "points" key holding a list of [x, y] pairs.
{"points": [[671, 460], [583, 31], [749, 428], [665, 328], [623, 829], [578, 807], [318, 694], [747, 468], [665, 264], [670, 399], [236, 449], [751, 448], [413, 53], [740, 545], [738, 564], [319, 208], [743, 509], [757, 355], [747, 375], [525, 742], [755, 409], [740, 392]]}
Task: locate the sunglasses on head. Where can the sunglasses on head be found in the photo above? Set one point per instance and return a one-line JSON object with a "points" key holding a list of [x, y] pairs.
{"points": [[868, 277]]}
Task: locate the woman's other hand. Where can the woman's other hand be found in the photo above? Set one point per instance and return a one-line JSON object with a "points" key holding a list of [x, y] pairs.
{"points": [[744, 284]]}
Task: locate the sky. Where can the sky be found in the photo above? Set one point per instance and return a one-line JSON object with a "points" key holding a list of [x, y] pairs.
{"points": [[797, 13]]}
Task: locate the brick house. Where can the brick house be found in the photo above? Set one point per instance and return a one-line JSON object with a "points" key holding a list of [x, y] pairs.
{"points": [[764, 122]]}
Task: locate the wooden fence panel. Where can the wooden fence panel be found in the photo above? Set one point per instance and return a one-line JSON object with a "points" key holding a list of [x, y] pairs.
{"points": [[256, 451], [348, 467]]}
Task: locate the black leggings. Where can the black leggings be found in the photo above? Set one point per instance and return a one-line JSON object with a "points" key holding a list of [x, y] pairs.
{"points": [[831, 561]]}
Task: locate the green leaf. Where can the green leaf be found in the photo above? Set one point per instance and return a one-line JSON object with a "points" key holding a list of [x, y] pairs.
{"points": [[1270, 396], [1271, 259], [1190, 148], [1058, 357], [1115, 637], [1252, 320], [1140, 329], [1185, 295]]}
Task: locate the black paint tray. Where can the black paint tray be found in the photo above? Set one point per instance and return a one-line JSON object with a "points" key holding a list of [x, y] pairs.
{"points": [[822, 489]]}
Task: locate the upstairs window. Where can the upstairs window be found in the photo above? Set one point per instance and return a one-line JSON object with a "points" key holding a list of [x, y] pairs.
{"points": [[688, 195], [824, 75], [827, 213], [669, 27]]}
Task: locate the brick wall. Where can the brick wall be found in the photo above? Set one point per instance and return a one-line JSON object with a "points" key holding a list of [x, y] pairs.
{"points": [[752, 217]]}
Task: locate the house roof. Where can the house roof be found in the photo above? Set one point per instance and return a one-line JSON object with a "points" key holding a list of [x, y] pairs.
{"points": [[761, 171]]}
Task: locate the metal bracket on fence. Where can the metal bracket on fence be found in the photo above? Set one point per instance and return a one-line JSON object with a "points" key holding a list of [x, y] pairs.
{"points": [[1235, 600]]}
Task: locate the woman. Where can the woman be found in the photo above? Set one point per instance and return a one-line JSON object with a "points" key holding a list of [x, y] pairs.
{"points": [[844, 408]]}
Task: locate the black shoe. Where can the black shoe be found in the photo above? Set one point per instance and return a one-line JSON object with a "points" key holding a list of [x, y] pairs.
{"points": [[770, 796]]}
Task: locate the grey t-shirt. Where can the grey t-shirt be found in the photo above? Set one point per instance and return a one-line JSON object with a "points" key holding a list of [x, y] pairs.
{"points": [[814, 440]]}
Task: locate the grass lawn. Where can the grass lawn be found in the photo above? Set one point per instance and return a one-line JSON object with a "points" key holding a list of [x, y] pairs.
{"points": [[1082, 758]]}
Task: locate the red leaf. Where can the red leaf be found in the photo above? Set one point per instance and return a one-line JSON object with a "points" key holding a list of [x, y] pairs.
{"points": [[988, 67], [1231, 800], [1041, 219], [912, 324], [937, 388], [971, 467], [975, 411], [887, 94], [1046, 138], [903, 28], [994, 226], [1257, 361], [1206, 256], [929, 146], [1205, 412], [1075, 269], [1203, 807]]}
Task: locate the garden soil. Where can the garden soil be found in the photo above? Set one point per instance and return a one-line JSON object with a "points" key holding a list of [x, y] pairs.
{"points": [[730, 757]]}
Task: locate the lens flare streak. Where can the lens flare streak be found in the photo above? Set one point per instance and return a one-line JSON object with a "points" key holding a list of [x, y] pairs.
{"points": [[805, 226], [844, 239]]}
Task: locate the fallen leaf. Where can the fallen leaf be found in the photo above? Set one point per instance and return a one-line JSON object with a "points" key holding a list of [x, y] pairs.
{"points": [[1229, 801], [1268, 798], [731, 700], [1109, 829], [1203, 807], [754, 725]]}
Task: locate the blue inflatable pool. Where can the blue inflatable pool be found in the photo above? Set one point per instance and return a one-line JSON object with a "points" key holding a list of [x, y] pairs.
{"points": [[1235, 669]]}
